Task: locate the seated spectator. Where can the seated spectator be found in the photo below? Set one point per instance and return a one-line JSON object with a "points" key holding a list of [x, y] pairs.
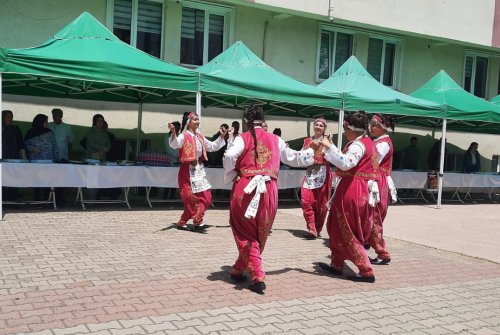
{"points": [[472, 159], [411, 155], [12, 148]]}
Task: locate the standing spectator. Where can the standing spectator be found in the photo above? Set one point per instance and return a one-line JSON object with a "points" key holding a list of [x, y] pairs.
{"points": [[411, 155], [12, 148], [434, 156], [215, 158], [62, 133], [173, 154], [40, 145], [472, 159], [40, 141], [97, 139], [236, 128]]}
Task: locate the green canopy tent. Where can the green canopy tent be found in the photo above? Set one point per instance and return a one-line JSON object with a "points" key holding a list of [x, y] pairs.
{"points": [[86, 61], [464, 111], [496, 100], [360, 91], [237, 77]]}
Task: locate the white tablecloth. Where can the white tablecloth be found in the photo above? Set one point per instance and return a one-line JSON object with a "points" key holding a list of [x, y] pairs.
{"points": [[98, 176]]}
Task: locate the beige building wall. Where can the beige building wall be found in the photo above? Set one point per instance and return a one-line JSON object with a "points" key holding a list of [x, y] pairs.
{"points": [[461, 20]]}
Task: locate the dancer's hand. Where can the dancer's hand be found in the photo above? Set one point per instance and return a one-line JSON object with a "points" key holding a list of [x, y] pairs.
{"points": [[327, 141], [315, 145], [222, 132]]}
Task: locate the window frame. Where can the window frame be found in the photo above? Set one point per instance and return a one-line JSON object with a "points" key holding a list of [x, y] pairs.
{"points": [[228, 12], [398, 57], [110, 15], [474, 54], [331, 29]]}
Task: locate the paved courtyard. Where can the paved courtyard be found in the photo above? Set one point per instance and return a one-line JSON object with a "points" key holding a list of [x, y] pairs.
{"points": [[106, 271]]}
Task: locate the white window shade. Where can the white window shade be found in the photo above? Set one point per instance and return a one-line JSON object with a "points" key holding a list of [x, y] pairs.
{"points": [[149, 18]]}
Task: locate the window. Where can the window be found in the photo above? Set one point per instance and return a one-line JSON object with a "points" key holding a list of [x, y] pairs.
{"points": [[382, 60], [335, 47], [476, 70], [139, 23], [205, 32]]}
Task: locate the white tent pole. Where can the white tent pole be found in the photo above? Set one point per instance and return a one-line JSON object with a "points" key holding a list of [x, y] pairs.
{"points": [[340, 126], [340, 129], [198, 106], [1, 146], [441, 164], [139, 127]]}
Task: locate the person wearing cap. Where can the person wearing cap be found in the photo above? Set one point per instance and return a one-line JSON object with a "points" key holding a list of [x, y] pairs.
{"points": [[252, 162], [317, 185], [350, 220], [379, 127], [193, 184]]}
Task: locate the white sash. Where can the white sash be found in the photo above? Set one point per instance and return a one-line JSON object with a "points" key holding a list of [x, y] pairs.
{"points": [[392, 190], [374, 195], [258, 183], [198, 178], [315, 177]]}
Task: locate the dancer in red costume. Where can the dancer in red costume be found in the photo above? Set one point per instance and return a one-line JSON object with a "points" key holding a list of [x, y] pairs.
{"points": [[350, 220], [317, 185], [252, 161], [193, 184], [380, 125]]}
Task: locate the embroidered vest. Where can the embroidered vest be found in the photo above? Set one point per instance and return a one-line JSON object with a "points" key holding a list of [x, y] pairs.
{"points": [[367, 167], [268, 161], [187, 153], [385, 166], [319, 156]]}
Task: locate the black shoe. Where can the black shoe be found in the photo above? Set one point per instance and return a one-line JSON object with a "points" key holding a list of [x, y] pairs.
{"points": [[238, 278], [367, 247], [257, 287], [183, 228], [378, 261], [362, 279], [309, 236], [200, 229], [330, 269]]}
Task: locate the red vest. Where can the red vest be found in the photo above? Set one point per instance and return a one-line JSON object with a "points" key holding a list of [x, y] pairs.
{"points": [[385, 166], [367, 167], [268, 161], [319, 156], [187, 153]]}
